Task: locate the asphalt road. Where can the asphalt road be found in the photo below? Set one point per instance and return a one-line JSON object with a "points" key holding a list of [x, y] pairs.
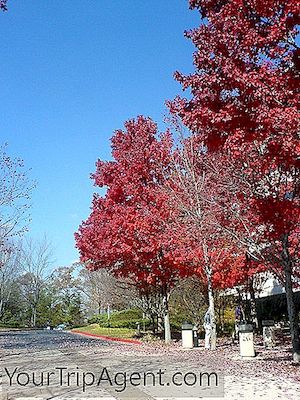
{"points": [[14, 342], [41, 352], [24, 354]]}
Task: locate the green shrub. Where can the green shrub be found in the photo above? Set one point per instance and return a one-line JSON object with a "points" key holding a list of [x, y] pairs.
{"points": [[98, 319], [9, 320], [177, 318], [121, 319], [229, 327]]}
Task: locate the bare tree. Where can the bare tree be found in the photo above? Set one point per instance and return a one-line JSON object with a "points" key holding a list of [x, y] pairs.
{"points": [[9, 272], [189, 297], [103, 291], [149, 299], [189, 189], [15, 192], [36, 258], [64, 282]]}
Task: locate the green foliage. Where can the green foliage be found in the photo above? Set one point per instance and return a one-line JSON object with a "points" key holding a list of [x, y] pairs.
{"points": [[76, 317], [10, 320], [121, 319], [177, 317], [56, 308], [98, 319], [229, 327], [112, 332]]}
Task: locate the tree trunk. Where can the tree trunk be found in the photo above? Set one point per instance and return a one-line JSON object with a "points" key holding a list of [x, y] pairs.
{"points": [[167, 327], [253, 309], [1, 307], [159, 323], [33, 317], [292, 312], [153, 324], [211, 305], [144, 323], [211, 302], [222, 313]]}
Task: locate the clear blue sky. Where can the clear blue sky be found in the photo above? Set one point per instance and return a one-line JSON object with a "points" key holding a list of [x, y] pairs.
{"points": [[72, 72]]}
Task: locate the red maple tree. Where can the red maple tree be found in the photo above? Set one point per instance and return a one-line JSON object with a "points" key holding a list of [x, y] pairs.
{"points": [[129, 229], [244, 103]]}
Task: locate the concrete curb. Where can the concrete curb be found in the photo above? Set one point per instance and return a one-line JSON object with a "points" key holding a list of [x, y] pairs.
{"points": [[103, 337]]}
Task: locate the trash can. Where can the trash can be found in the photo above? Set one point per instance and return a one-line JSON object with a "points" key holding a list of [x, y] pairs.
{"points": [[246, 340], [187, 335], [269, 333], [195, 337]]}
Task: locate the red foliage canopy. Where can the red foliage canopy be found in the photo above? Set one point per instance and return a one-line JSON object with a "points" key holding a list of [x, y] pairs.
{"points": [[244, 102], [128, 230], [246, 77], [213, 215]]}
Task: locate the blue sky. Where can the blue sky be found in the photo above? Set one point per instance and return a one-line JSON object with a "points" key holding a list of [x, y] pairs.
{"points": [[72, 72]]}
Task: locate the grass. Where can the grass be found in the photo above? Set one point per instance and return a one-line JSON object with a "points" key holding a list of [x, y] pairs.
{"points": [[7, 329], [124, 333]]}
